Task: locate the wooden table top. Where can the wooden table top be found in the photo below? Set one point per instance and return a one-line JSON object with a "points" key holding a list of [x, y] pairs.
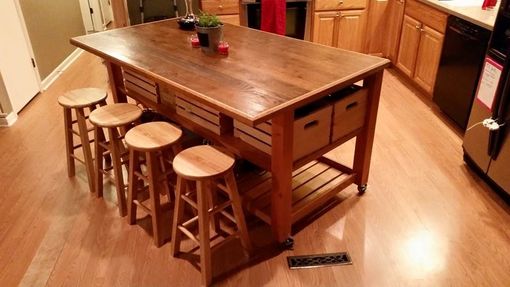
{"points": [[263, 74]]}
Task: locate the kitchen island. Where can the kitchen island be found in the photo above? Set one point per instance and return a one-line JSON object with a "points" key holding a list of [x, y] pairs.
{"points": [[267, 102]]}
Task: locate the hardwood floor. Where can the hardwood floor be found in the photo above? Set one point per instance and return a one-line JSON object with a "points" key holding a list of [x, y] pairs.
{"points": [[426, 219]]}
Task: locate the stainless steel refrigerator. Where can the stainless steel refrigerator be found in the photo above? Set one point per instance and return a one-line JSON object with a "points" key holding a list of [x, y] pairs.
{"points": [[487, 138]]}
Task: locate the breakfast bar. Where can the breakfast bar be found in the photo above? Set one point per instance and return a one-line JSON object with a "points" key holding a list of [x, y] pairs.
{"points": [[277, 102]]}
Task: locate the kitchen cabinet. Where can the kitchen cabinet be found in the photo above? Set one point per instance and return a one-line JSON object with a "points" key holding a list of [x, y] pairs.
{"points": [[421, 41], [343, 29], [427, 59], [377, 25], [394, 16], [409, 44], [227, 10]]}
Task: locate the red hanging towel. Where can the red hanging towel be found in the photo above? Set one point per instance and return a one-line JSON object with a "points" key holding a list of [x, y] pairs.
{"points": [[273, 16]]}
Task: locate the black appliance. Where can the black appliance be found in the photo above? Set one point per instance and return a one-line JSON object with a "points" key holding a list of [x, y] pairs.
{"points": [[295, 16], [487, 139], [463, 52]]}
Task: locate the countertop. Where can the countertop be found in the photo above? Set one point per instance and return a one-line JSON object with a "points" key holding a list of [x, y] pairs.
{"points": [[469, 10], [264, 74]]}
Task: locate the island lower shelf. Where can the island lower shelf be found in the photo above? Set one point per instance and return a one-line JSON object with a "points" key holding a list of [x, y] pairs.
{"points": [[312, 185]]}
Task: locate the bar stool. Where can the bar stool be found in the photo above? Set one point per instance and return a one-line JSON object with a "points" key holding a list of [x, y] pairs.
{"points": [[115, 118], [79, 100], [204, 165], [156, 141]]}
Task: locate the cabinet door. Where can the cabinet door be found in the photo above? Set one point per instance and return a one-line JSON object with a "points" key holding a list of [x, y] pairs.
{"points": [[395, 17], [351, 30], [408, 48], [324, 27], [427, 61], [377, 25]]}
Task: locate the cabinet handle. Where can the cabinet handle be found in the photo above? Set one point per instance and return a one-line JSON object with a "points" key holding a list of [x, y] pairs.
{"points": [[421, 30], [220, 7], [417, 26], [340, 2]]}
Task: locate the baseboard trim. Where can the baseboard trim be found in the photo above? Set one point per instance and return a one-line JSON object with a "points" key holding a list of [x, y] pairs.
{"points": [[8, 120], [46, 83]]}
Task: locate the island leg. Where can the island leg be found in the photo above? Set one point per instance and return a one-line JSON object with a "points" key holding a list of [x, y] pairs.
{"points": [[365, 140], [281, 167], [116, 82]]}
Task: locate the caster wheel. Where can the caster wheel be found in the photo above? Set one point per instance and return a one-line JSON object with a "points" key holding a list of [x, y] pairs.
{"points": [[362, 188], [288, 244]]}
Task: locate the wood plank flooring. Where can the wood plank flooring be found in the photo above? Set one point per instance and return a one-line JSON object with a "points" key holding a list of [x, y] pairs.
{"points": [[426, 220]]}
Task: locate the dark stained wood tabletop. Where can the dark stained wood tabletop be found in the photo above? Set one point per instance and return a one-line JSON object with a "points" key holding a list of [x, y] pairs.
{"points": [[263, 74]]}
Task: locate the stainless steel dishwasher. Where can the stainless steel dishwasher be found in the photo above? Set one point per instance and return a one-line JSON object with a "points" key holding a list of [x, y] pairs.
{"points": [[464, 48]]}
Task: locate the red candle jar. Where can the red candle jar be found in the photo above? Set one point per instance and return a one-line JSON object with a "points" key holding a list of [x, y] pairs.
{"points": [[223, 48], [195, 43]]}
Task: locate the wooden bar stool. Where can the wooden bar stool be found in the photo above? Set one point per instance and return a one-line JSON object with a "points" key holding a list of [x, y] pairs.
{"points": [[205, 165], [156, 141], [115, 118], [79, 100]]}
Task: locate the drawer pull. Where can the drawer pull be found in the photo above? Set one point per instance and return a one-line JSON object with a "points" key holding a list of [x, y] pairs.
{"points": [[351, 106], [311, 124]]}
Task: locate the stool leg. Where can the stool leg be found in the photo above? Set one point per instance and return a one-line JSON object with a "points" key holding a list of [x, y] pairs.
{"points": [[213, 199], [178, 216], [68, 125], [85, 144], [99, 150], [132, 186], [166, 181], [238, 210], [117, 169], [154, 187], [203, 229]]}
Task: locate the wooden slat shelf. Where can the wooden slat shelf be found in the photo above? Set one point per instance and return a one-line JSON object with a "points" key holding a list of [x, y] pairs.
{"points": [[312, 185], [233, 144]]}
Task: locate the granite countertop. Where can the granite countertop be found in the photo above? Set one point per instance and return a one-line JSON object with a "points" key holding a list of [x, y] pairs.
{"points": [[469, 10]]}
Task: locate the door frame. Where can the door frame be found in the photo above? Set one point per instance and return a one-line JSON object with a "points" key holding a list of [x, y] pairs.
{"points": [[21, 18]]}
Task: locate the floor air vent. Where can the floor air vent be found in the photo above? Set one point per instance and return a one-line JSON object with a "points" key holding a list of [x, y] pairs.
{"points": [[319, 260]]}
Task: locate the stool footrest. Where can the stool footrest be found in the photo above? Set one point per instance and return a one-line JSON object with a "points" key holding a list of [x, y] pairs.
{"points": [[228, 215], [220, 208], [190, 222], [189, 234], [189, 201], [142, 206], [77, 158]]}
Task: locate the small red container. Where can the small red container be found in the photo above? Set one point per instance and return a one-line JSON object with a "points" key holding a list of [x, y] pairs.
{"points": [[195, 43], [223, 48]]}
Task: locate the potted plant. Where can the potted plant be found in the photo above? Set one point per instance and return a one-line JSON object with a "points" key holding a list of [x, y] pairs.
{"points": [[210, 32]]}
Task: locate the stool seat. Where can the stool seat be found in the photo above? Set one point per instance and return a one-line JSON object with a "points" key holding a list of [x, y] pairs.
{"points": [[202, 162], [115, 115], [81, 98], [152, 136]]}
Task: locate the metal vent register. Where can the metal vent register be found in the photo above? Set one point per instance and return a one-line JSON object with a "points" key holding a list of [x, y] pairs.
{"points": [[319, 260]]}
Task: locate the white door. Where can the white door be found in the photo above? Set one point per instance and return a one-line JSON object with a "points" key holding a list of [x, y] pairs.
{"points": [[106, 12], [20, 77]]}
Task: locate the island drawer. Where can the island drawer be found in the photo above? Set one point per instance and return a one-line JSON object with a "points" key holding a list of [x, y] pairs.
{"points": [[315, 125], [326, 5], [137, 84], [349, 111], [203, 115], [220, 7]]}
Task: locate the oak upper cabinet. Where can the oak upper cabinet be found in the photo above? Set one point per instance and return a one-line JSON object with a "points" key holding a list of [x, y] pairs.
{"points": [[421, 42], [340, 23]]}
